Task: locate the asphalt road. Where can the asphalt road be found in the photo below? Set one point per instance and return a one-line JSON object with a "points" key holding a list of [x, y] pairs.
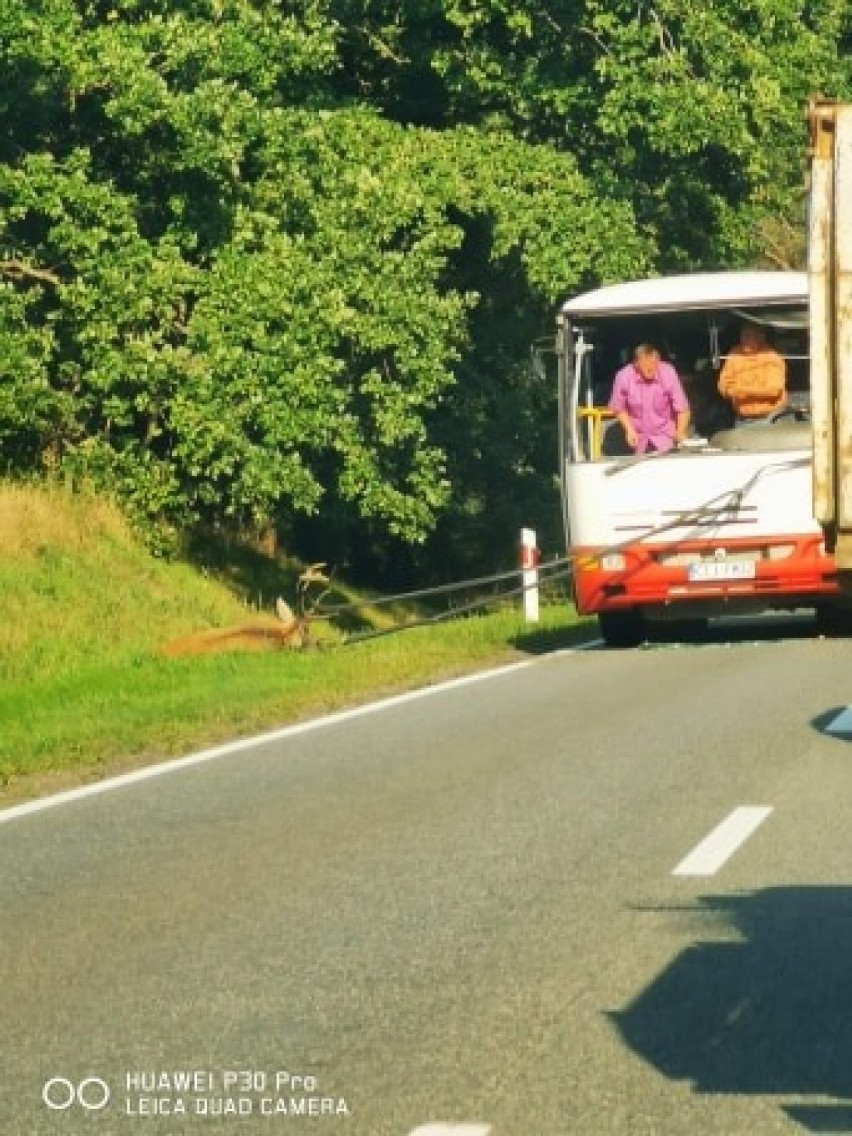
{"points": [[467, 913]]}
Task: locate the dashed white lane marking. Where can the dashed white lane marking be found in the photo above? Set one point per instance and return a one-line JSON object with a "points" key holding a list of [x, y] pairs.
{"points": [[451, 1130], [225, 750], [842, 724], [718, 847]]}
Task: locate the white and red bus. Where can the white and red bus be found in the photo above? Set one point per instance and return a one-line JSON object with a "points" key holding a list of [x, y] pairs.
{"points": [[721, 525]]}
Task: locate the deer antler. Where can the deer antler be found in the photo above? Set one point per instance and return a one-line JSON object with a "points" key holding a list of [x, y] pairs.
{"points": [[313, 574]]}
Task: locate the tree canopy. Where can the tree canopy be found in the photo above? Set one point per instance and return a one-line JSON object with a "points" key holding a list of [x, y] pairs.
{"points": [[264, 261]]}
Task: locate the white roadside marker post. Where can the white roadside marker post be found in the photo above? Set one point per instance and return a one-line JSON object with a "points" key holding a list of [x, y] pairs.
{"points": [[529, 576]]}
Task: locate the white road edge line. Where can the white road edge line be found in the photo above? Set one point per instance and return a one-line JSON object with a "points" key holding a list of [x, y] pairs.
{"points": [[442, 1129], [718, 847], [14, 812]]}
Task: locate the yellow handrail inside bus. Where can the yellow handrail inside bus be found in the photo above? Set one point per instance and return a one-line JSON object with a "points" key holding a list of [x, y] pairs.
{"points": [[595, 416]]}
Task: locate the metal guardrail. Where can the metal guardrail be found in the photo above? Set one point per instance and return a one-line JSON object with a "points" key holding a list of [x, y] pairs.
{"points": [[547, 572]]}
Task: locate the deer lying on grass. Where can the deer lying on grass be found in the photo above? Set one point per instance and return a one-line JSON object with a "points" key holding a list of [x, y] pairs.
{"points": [[265, 633], [262, 634]]}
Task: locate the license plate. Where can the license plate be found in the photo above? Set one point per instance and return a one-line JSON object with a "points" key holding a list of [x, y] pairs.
{"points": [[722, 570]]}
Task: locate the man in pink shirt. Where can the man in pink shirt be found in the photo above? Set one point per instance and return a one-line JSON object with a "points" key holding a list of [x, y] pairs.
{"points": [[649, 402]]}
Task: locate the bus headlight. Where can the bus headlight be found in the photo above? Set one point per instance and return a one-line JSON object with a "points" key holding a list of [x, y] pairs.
{"points": [[613, 562]]}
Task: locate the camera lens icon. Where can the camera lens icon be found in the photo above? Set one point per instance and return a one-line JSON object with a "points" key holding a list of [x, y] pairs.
{"points": [[60, 1094]]}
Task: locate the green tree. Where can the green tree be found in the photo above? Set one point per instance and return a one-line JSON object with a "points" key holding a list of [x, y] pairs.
{"points": [[693, 115], [262, 261], [250, 297]]}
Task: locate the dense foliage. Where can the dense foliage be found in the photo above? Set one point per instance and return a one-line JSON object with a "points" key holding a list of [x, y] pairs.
{"points": [[264, 261]]}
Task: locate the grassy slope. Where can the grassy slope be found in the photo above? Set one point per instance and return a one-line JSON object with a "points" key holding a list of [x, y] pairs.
{"points": [[84, 689]]}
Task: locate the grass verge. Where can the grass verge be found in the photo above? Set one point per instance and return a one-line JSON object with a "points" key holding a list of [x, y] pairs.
{"points": [[86, 693]]}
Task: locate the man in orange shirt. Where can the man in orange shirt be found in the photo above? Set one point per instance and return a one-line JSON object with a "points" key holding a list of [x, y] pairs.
{"points": [[754, 377]]}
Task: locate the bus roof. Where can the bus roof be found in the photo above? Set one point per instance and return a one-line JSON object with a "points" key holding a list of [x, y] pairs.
{"points": [[696, 291]]}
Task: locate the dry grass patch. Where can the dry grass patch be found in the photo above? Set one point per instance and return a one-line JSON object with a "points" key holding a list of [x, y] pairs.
{"points": [[79, 589], [36, 519]]}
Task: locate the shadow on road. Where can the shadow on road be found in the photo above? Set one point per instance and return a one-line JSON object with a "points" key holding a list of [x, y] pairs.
{"points": [[726, 631], [831, 723], [768, 1014], [730, 630], [542, 642]]}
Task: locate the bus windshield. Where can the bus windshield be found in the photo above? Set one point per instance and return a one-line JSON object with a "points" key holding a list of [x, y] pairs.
{"points": [[694, 322]]}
